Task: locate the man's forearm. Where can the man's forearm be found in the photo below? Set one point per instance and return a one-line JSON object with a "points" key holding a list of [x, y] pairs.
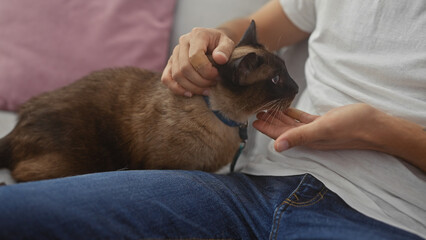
{"points": [[274, 29], [403, 139], [234, 29]]}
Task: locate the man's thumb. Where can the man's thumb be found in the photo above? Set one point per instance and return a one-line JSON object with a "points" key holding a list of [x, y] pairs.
{"points": [[294, 137], [223, 50]]}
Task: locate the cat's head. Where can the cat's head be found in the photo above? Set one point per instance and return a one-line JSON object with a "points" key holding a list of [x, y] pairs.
{"points": [[254, 78]]}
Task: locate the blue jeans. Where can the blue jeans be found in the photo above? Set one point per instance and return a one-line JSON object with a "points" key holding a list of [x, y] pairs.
{"points": [[182, 205]]}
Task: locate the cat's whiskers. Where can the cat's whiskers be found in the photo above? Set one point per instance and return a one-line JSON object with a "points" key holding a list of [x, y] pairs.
{"points": [[275, 106], [259, 109], [276, 109], [267, 106], [279, 106]]}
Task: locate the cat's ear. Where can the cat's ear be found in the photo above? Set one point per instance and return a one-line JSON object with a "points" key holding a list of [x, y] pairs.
{"points": [[250, 36], [244, 66]]}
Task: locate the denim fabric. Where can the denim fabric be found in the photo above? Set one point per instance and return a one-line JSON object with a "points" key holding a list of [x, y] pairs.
{"points": [[182, 205]]}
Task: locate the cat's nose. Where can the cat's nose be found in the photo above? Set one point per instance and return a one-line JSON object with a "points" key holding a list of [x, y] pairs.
{"points": [[291, 86]]}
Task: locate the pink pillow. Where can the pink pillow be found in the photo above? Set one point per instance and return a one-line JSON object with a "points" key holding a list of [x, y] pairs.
{"points": [[47, 44]]}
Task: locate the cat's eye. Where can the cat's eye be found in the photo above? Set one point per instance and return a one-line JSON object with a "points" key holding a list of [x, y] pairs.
{"points": [[276, 79]]}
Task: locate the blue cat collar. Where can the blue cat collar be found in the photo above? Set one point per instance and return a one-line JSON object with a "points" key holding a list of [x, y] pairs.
{"points": [[242, 131], [225, 120]]}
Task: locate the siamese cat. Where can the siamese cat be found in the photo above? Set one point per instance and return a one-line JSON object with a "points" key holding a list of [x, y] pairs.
{"points": [[125, 118]]}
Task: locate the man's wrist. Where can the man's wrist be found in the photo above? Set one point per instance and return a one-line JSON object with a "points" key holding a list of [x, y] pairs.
{"points": [[401, 138]]}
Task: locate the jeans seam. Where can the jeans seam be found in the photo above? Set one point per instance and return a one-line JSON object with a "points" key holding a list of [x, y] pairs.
{"points": [[278, 210], [311, 202], [281, 209]]}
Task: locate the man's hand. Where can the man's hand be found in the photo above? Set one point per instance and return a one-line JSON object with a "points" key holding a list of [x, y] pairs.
{"points": [[181, 76], [356, 126], [274, 30], [346, 127]]}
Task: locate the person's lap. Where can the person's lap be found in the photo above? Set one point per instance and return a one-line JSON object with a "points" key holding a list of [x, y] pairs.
{"points": [[182, 204]]}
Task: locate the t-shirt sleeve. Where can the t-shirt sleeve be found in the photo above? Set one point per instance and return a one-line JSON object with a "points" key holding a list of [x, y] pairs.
{"points": [[301, 13]]}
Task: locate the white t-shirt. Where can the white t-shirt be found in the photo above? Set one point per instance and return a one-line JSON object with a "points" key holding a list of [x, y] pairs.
{"points": [[367, 51]]}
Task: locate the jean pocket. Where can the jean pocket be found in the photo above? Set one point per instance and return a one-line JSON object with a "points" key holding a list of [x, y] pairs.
{"points": [[309, 192]]}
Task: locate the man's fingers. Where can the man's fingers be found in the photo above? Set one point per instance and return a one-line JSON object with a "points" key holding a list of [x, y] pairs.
{"points": [[167, 79], [179, 84], [209, 41], [267, 128], [202, 64], [301, 115], [187, 70], [277, 117], [223, 50], [176, 76], [198, 48]]}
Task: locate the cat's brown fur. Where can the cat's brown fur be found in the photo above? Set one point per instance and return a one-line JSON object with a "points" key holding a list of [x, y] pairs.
{"points": [[125, 117]]}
